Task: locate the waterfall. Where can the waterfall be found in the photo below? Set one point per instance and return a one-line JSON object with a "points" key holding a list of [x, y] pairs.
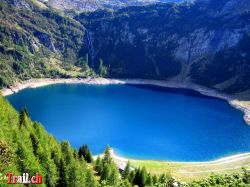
{"points": [[90, 48]]}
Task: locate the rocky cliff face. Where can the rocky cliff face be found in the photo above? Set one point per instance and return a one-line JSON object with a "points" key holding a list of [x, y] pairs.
{"points": [[91, 5], [206, 42]]}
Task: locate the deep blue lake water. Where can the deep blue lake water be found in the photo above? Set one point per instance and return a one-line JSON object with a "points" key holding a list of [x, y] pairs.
{"points": [[143, 122]]}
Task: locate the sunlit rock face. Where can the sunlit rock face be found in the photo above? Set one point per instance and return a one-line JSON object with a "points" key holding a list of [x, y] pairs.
{"points": [[91, 5]]}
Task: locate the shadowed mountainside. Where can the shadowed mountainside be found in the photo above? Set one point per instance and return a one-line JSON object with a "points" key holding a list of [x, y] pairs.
{"points": [[206, 42]]}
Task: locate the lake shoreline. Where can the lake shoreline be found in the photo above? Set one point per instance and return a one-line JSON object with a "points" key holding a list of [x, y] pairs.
{"points": [[244, 106], [221, 160], [186, 171], [183, 170]]}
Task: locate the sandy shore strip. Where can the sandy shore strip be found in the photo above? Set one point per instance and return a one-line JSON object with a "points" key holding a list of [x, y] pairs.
{"points": [[186, 170], [34, 83], [223, 160]]}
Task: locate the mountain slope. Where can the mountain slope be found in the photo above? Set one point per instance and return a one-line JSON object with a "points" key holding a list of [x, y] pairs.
{"points": [[206, 42], [91, 5], [36, 41]]}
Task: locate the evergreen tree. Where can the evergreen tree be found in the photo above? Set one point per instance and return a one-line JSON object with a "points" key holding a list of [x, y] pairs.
{"points": [[62, 182], [5, 154], [23, 115], [149, 181], [52, 175], [35, 143], [107, 168], [105, 172], [113, 179], [85, 153], [73, 181], [132, 177], [144, 176], [154, 179], [90, 179], [140, 177], [107, 155], [99, 165], [126, 172], [163, 179], [137, 178], [67, 152], [87, 59], [27, 161], [102, 69]]}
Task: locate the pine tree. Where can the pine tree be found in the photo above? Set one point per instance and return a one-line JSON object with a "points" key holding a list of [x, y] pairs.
{"points": [[67, 151], [163, 179], [149, 181], [137, 178], [90, 179], [99, 165], [154, 178], [105, 172], [35, 143], [132, 177], [62, 182], [107, 155], [126, 172], [72, 174], [87, 59], [140, 177], [23, 115], [51, 173], [85, 153], [102, 69], [5, 154], [144, 176], [113, 178]]}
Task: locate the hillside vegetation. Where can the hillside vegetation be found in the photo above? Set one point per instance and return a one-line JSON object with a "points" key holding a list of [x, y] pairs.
{"points": [[206, 42], [26, 147], [38, 42]]}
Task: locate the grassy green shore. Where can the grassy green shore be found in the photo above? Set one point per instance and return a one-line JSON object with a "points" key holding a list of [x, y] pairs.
{"points": [[189, 171]]}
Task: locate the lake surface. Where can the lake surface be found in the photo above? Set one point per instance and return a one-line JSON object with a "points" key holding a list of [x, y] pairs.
{"points": [[143, 122]]}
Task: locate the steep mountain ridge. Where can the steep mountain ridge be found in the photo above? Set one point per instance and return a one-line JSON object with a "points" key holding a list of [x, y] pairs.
{"points": [[91, 5], [206, 42], [197, 42]]}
